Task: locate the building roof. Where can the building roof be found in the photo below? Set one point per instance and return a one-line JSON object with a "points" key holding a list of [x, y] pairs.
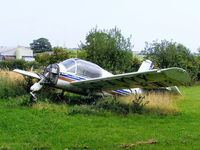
{"points": [[5, 48], [13, 51]]}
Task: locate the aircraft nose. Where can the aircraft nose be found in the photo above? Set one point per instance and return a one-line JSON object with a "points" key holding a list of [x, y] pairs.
{"points": [[51, 73]]}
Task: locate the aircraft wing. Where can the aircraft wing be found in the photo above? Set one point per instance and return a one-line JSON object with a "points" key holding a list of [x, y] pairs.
{"points": [[149, 79], [26, 73]]}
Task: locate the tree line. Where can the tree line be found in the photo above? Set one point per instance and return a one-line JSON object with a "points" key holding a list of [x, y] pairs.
{"points": [[113, 52]]}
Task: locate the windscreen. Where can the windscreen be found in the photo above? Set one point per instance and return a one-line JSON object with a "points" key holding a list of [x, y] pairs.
{"points": [[69, 65], [88, 69]]}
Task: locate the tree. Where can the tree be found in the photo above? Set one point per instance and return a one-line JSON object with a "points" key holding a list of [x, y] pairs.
{"points": [[41, 45], [59, 54], [167, 54], [82, 54], [135, 65], [109, 49]]}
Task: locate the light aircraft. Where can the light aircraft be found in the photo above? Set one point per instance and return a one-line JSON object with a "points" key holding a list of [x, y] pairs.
{"points": [[86, 78]]}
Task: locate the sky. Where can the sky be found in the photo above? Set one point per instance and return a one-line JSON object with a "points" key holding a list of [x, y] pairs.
{"points": [[67, 22]]}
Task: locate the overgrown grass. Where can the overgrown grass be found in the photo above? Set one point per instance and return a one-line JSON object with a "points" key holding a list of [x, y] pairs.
{"points": [[156, 103], [72, 124], [13, 84], [51, 107], [163, 103], [51, 126]]}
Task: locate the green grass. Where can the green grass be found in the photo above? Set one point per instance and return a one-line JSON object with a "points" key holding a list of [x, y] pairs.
{"points": [[51, 126]]}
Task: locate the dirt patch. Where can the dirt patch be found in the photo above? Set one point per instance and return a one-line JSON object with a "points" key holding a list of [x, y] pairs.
{"points": [[151, 141]]}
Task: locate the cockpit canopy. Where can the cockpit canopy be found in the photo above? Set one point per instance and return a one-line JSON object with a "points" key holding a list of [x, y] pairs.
{"points": [[82, 68]]}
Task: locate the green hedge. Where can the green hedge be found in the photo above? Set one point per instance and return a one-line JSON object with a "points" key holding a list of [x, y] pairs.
{"points": [[18, 64]]}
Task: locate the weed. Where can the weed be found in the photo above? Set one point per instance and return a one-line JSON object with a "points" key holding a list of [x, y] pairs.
{"points": [[114, 104]]}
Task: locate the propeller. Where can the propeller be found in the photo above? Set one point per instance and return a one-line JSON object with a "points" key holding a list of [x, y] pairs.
{"points": [[49, 76]]}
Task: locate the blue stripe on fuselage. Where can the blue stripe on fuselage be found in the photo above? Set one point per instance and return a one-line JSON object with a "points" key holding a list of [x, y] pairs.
{"points": [[123, 92], [72, 77]]}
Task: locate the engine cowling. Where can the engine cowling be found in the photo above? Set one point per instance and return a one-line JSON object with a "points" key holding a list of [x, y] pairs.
{"points": [[51, 74]]}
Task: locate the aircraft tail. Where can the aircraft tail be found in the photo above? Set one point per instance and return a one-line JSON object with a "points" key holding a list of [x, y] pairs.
{"points": [[146, 65], [174, 89]]}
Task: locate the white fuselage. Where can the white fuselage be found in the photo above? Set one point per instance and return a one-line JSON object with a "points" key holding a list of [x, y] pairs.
{"points": [[65, 78]]}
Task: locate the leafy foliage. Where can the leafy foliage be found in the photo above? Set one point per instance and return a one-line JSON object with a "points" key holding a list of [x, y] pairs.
{"points": [[135, 64], [198, 64], [17, 64], [59, 54], [41, 45], [109, 49], [114, 105], [170, 54], [82, 54]]}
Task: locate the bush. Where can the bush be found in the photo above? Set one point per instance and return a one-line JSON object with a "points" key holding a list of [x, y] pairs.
{"points": [[114, 105], [108, 49], [18, 64], [59, 54], [32, 65], [111, 104], [167, 54]]}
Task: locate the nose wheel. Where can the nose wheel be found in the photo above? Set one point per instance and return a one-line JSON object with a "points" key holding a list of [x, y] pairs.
{"points": [[33, 98], [49, 76]]}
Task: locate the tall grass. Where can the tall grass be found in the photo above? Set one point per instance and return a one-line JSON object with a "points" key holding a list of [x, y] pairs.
{"points": [[162, 103], [51, 107], [151, 103], [11, 84], [157, 103]]}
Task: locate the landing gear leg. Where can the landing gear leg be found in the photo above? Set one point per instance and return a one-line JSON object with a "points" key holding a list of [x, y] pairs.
{"points": [[33, 98]]}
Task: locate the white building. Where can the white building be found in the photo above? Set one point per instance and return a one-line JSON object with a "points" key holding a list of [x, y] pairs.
{"points": [[19, 52]]}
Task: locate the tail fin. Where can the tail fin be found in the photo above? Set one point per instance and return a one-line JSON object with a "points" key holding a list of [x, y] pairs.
{"points": [[146, 65]]}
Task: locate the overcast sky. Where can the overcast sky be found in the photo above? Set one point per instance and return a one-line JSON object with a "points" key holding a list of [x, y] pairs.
{"points": [[66, 22]]}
